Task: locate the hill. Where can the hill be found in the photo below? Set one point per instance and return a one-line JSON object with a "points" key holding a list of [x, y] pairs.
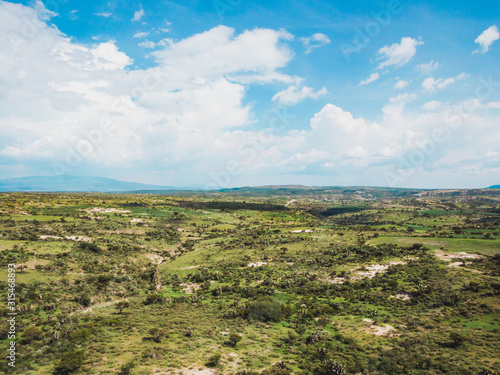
{"points": [[73, 183]]}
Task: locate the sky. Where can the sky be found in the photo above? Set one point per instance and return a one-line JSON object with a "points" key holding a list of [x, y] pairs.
{"points": [[229, 93]]}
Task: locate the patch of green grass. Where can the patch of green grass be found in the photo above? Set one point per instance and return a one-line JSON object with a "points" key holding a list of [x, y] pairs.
{"points": [[486, 247]]}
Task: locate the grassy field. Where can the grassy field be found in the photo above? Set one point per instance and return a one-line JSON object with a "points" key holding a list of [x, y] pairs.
{"points": [[251, 282], [483, 246]]}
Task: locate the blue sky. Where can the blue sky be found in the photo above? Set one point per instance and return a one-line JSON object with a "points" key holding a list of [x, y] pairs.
{"points": [[237, 92]]}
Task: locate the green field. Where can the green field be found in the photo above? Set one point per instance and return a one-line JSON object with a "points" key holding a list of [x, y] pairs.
{"points": [[487, 247], [238, 282]]}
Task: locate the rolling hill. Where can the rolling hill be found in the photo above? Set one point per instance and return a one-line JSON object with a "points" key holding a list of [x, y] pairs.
{"points": [[73, 183]]}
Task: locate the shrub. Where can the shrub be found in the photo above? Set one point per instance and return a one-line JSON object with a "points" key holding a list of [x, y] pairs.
{"points": [[234, 339], [89, 246], [157, 334], [332, 367], [122, 305], [153, 298], [265, 309], [69, 362], [214, 360], [30, 334], [457, 339], [84, 299], [125, 369]]}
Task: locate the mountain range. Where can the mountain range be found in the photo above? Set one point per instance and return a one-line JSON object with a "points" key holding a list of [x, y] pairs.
{"points": [[67, 183], [73, 183]]}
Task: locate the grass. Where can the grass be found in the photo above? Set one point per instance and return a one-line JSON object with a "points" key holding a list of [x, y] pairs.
{"points": [[482, 246], [225, 240]]}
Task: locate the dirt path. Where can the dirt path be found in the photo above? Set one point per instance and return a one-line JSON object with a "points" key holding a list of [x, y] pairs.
{"points": [[448, 257]]}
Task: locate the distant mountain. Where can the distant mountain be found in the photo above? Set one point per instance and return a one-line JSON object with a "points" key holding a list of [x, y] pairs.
{"points": [[74, 183], [494, 187]]}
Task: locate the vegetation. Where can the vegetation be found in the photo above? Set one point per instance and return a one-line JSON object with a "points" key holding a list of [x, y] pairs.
{"points": [[254, 281]]}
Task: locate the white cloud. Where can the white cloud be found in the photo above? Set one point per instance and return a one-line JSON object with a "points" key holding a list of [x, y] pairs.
{"points": [[401, 84], [187, 116], [138, 15], [373, 77], [293, 95], [141, 34], [432, 105], [104, 14], [72, 15], [162, 43], [147, 44], [252, 56], [43, 13], [181, 114], [398, 54], [428, 68], [487, 38], [432, 85], [315, 41], [104, 56]]}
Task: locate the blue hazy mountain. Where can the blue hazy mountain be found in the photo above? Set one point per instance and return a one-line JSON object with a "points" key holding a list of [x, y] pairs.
{"points": [[73, 183]]}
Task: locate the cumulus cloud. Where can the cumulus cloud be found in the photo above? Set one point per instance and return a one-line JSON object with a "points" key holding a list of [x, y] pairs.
{"points": [[104, 56], [398, 54], [487, 38], [372, 78], [432, 105], [141, 34], [428, 68], [293, 95], [315, 41], [401, 84], [56, 93], [253, 56], [432, 85], [65, 105], [41, 12], [138, 15]]}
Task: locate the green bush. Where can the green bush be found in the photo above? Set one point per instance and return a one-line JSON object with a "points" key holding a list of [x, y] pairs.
{"points": [[84, 299], [265, 309], [234, 339], [214, 360], [69, 362], [125, 369], [157, 334], [30, 334], [153, 298], [332, 367], [89, 246]]}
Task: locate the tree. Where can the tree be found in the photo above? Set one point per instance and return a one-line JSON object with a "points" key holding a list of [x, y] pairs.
{"points": [[122, 305]]}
